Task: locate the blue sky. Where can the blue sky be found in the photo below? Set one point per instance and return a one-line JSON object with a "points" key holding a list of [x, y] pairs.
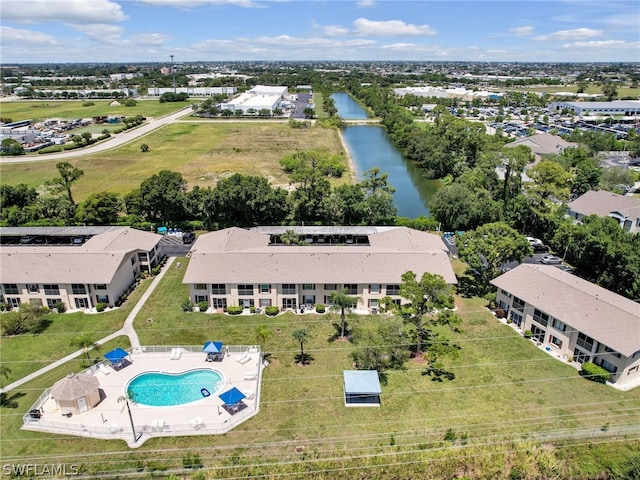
{"points": [[225, 30]]}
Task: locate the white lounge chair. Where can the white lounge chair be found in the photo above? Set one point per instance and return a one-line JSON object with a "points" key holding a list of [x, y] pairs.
{"points": [[243, 359], [250, 375], [197, 423], [176, 353], [104, 369], [115, 428], [248, 394], [158, 425]]}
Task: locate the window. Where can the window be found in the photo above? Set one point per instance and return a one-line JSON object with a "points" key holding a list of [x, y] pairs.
{"points": [[396, 301], [633, 370], [373, 303], [218, 289], [585, 342], [374, 288], [558, 325], [331, 286], [10, 288], [309, 299], [200, 286], [609, 367], [33, 288], [265, 302], [327, 300], [505, 293], [265, 288], [288, 303], [245, 289], [103, 299], [36, 301], [518, 304], [133, 260], [51, 289], [308, 286], [352, 288], [540, 317], [78, 289], [82, 303], [14, 302], [393, 289], [100, 286], [537, 333], [142, 256], [516, 318], [612, 352], [288, 288], [555, 341], [219, 302], [580, 356], [51, 302], [201, 298]]}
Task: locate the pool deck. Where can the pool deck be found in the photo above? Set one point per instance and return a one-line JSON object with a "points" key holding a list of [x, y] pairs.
{"points": [[109, 418]]}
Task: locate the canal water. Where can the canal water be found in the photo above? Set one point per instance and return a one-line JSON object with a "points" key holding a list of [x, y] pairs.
{"points": [[370, 147]]}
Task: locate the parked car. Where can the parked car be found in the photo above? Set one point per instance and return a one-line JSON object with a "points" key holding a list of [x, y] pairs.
{"points": [[540, 248], [550, 259], [188, 237]]}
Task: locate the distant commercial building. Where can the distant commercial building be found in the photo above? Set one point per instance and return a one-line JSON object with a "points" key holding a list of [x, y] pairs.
{"points": [[623, 108], [193, 91], [260, 97], [453, 92]]}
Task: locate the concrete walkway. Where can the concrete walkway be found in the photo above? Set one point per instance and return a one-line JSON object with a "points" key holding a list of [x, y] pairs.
{"points": [[127, 329]]}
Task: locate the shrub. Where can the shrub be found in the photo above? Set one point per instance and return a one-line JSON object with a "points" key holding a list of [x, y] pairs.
{"points": [[450, 436], [271, 311], [527, 334], [51, 149], [595, 372], [203, 305], [100, 306], [252, 309], [500, 313], [155, 270], [187, 306], [88, 104], [234, 310], [60, 307], [320, 308]]}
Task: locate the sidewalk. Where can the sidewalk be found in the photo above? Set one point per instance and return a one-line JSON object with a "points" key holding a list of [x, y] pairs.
{"points": [[127, 329]]}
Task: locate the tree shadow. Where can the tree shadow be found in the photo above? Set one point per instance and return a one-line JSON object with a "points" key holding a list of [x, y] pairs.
{"points": [[304, 358], [10, 401], [439, 374], [338, 331], [41, 326], [469, 286], [384, 378]]}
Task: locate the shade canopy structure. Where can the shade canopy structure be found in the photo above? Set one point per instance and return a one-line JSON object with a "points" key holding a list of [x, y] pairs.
{"points": [[116, 355], [76, 393], [232, 396], [361, 388], [212, 347]]}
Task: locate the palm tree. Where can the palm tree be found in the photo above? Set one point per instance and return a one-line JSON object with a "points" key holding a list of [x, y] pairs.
{"points": [[125, 399], [5, 371], [301, 335], [289, 237], [85, 342], [342, 301], [262, 333]]}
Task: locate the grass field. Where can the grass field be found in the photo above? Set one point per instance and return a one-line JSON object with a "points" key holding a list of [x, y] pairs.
{"points": [[590, 89], [73, 109], [201, 152], [505, 388]]}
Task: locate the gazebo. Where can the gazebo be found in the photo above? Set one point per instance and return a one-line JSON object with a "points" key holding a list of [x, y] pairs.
{"points": [[361, 388], [76, 393]]}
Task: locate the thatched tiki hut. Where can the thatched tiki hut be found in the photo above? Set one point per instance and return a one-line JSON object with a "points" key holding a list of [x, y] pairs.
{"points": [[76, 393]]}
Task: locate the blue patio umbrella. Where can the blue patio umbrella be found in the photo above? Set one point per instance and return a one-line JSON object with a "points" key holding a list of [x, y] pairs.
{"points": [[232, 396], [212, 347], [116, 355]]}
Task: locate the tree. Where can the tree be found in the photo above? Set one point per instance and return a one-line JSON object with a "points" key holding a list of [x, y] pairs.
{"points": [[302, 335], [144, 148], [489, 247], [425, 296], [290, 237], [101, 208], [610, 91], [162, 197], [550, 179], [27, 318], [126, 399], [262, 334], [342, 302], [68, 176], [86, 343], [11, 146], [309, 112], [381, 347]]}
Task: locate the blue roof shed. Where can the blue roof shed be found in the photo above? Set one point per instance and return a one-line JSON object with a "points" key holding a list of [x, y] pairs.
{"points": [[361, 388]]}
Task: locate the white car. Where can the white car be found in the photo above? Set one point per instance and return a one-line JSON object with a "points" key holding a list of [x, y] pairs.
{"points": [[550, 259], [534, 241]]}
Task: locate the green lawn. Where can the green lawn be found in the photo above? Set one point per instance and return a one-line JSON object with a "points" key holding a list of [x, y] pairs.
{"points": [[591, 89], [38, 110], [201, 152], [505, 389]]}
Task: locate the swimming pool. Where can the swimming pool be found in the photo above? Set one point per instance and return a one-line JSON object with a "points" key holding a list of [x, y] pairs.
{"points": [[158, 389]]}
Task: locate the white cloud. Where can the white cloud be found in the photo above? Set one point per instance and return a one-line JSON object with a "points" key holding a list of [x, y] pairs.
{"points": [[65, 11], [599, 44], [18, 36], [149, 39], [335, 30], [366, 3], [399, 46], [390, 28], [101, 32], [569, 35], [200, 3], [521, 31]]}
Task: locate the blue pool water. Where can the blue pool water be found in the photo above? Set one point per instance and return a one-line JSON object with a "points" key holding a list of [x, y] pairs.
{"points": [[167, 389]]}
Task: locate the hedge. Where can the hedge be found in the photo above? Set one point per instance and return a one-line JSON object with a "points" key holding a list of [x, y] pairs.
{"points": [[595, 372]]}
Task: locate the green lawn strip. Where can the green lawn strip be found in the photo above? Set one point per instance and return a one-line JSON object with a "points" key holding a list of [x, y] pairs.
{"points": [[623, 91], [201, 152], [24, 354], [38, 110]]}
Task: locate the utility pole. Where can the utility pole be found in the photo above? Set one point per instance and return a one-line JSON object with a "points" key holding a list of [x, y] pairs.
{"points": [[173, 71]]}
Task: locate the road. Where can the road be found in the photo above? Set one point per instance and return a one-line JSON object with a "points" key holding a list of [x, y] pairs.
{"points": [[113, 142]]}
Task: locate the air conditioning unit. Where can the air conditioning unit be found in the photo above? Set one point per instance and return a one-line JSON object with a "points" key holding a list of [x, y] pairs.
{"points": [[374, 311]]}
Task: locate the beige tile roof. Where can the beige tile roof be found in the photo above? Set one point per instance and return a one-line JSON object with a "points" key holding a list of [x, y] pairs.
{"points": [[74, 386], [602, 203], [602, 314], [543, 143], [97, 261], [240, 256]]}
